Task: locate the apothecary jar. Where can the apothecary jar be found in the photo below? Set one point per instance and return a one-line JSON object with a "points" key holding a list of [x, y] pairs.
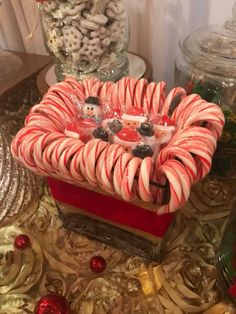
{"points": [[87, 37], [206, 65]]}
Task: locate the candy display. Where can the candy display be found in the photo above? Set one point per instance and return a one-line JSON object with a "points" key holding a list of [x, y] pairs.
{"points": [[87, 37], [141, 149]]}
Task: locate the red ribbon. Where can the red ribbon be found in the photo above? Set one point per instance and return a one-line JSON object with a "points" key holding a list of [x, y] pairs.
{"points": [[111, 209]]}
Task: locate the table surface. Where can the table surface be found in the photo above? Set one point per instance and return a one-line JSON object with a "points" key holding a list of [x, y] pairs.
{"points": [[58, 260], [31, 63]]}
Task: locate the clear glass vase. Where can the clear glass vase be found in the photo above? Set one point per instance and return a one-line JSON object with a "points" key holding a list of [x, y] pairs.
{"points": [[87, 37], [206, 65]]}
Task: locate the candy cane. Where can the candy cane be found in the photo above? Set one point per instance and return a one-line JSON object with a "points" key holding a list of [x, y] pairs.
{"points": [[83, 156], [64, 162], [130, 89], [147, 99], [109, 161], [158, 98], [122, 86], [105, 92], [174, 151], [119, 171], [78, 87], [127, 184], [184, 103], [179, 184], [145, 175], [90, 167], [177, 91], [88, 85], [75, 165], [140, 89]]}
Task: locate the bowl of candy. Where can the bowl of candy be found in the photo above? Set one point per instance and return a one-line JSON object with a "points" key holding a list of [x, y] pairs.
{"points": [[120, 158]]}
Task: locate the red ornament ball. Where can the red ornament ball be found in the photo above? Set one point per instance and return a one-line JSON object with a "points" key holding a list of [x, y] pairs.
{"points": [[232, 291], [52, 304], [97, 264], [22, 241]]}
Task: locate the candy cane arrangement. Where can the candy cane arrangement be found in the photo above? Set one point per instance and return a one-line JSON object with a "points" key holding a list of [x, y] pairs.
{"points": [[43, 147]]}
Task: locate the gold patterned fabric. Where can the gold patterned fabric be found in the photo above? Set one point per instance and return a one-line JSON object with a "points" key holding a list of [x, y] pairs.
{"points": [[58, 262], [58, 259]]}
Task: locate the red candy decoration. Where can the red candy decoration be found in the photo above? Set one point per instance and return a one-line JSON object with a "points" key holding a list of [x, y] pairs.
{"points": [[22, 241], [232, 291], [163, 120], [97, 264], [52, 304], [129, 135]]}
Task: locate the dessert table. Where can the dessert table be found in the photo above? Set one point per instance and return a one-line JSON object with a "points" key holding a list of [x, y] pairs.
{"points": [[58, 260]]}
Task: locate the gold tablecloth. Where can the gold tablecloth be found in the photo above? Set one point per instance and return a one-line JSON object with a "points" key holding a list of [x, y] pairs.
{"points": [[58, 261]]}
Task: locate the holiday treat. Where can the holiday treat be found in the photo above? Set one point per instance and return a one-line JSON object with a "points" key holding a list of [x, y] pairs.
{"points": [[128, 138], [132, 150], [87, 36]]}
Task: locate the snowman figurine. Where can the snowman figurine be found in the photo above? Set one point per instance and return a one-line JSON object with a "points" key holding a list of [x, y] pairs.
{"points": [[91, 109], [133, 118]]}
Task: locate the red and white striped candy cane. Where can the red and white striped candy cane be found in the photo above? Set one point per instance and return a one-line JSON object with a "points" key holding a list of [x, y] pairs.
{"points": [[64, 162], [88, 85], [173, 151], [144, 178], [179, 185], [119, 171], [77, 86], [147, 99], [90, 166], [183, 105], [109, 162], [158, 98], [140, 89], [130, 88], [177, 91], [75, 165], [105, 92], [127, 185], [122, 87], [39, 148], [195, 132], [22, 136]]}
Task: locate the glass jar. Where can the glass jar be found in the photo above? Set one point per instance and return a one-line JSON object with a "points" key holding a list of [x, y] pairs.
{"points": [[206, 65], [226, 259], [87, 37]]}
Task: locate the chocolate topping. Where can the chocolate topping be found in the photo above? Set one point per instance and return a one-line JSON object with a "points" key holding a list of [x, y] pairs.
{"points": [[101, 134], [142, 151], [92, 101], [146, 129], [115, 126]]}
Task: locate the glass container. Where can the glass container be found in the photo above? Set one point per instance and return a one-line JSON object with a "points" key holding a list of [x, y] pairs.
{"points": [[87, 37], [206, 65], [226, 259]]}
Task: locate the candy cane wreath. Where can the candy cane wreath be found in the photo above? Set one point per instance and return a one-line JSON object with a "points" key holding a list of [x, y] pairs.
{"points": [[43, 147]]}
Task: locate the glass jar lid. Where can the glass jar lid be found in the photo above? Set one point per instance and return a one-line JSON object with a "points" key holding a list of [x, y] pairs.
{"points": [[213, 48]]}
